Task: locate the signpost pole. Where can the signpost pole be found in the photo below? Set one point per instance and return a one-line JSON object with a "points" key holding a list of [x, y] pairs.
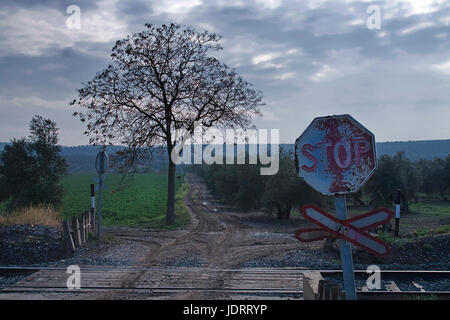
{"points": [[346, 252], [397, 212], [100, 186], [101, 163]]}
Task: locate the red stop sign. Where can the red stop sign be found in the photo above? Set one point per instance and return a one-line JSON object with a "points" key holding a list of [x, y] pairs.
{"points": [[335, 155]]}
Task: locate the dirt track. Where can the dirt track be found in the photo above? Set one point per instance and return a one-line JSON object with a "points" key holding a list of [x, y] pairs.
{"points": [[216, 238]]}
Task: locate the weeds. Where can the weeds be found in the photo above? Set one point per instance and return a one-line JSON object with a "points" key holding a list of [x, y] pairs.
{"points": [[42, 215]]}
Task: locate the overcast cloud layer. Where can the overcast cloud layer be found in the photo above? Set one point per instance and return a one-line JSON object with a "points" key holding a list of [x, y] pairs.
{"points": [[310, 58]]}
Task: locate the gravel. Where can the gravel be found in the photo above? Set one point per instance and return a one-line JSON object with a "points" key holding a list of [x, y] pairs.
{"points": [[10, 280], [317, 259], [187, 262], [402, 284], [25, 244], [270, 236]]}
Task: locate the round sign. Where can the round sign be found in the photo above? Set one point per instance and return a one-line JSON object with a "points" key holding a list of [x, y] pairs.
{"points": [[335, 155], [101, 162]]}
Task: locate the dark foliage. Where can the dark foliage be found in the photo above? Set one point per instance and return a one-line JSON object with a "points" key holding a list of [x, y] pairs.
{"points": [[244, 186], [31, 170]]}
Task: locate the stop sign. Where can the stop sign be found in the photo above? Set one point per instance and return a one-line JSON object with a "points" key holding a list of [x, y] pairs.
{"points": [[335, 155]]}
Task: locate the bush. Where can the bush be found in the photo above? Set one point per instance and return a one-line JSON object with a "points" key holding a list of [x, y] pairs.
{"points": [[31, 169]]}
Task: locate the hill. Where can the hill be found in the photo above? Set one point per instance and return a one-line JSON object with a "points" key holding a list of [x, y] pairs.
{"points": [[81, 159], [415, 150]]}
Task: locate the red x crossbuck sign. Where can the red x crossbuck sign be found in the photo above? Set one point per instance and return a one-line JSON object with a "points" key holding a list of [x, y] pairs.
{"points": [[353, 230]]}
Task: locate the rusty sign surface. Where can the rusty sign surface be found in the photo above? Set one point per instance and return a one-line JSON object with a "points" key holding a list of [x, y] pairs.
{"points": [[335, 154]]}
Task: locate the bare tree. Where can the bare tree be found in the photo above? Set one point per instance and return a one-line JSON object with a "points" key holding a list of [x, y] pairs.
{"points": [[162, 79]]}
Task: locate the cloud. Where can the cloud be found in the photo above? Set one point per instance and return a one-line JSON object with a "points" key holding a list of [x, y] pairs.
{"points": [[325, 73], [442, 68], [270, 116], [270, 4], [36, 31], [423, 6], [308, 57], [416, 27], [176, 9], [265, 57], [284, 76], [36, 101]]}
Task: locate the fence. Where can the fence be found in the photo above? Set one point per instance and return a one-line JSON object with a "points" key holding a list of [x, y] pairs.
{"points": [[76, 230]]}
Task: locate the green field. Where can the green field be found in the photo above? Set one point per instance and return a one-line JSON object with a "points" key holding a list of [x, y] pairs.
{"points": [[140, 202]]}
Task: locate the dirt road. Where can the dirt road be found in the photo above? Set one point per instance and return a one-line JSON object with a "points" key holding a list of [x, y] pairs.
{"points": [[217, 237]]}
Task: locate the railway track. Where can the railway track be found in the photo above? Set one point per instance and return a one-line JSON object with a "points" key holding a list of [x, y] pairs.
{"points": [[256, 282], [275, 283]]}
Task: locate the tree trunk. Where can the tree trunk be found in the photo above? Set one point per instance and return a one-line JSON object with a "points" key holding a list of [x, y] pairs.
{"points": [[279, 211], [283, 213], [288, 209], [170, 213], [405, 204]]}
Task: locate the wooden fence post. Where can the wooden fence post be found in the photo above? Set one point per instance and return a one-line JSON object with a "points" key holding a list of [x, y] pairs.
{"points": [[70, 245], [86, 219], [76, 231], [81, 224], [88, 224]]}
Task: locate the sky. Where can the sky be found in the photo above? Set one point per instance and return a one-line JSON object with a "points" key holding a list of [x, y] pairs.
{"points": [[309, 58]]}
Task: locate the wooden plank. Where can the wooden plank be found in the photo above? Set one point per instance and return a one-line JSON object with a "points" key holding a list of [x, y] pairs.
{"points": [[183, 279], [70, 245], [320, 289], [81, 224], [88, 224], [76, 232]]}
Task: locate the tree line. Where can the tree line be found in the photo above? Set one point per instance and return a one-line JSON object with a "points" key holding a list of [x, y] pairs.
{"points": [[244, 187]]}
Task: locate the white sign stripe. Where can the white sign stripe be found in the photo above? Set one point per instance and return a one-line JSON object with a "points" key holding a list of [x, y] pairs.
{"points": [[366, 241], [397, 211], [319, 217], [367, 221]]}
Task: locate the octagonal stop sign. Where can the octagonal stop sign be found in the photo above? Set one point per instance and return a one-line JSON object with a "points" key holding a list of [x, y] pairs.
{"points": [[335, 155]]}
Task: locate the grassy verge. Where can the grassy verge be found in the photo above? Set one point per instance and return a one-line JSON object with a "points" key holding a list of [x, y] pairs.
{"points": [[140, 202], [430, 208]]}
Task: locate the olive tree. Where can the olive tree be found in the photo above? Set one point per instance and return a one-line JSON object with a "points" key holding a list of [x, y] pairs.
{"points": [[160, 80]]}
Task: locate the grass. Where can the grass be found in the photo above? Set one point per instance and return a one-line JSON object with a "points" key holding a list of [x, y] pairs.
{"points": [[430, 208], [433, 231], [140, 203], [389, 238], [43, 215]]}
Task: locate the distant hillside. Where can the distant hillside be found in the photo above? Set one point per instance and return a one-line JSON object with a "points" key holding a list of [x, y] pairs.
{"points": [[81, 159], [415, 150]]}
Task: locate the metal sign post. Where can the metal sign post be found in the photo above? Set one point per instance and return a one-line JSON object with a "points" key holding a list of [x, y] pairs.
{"points": [[346, 252], [397, 212], [101, 164], [335, 155]]}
